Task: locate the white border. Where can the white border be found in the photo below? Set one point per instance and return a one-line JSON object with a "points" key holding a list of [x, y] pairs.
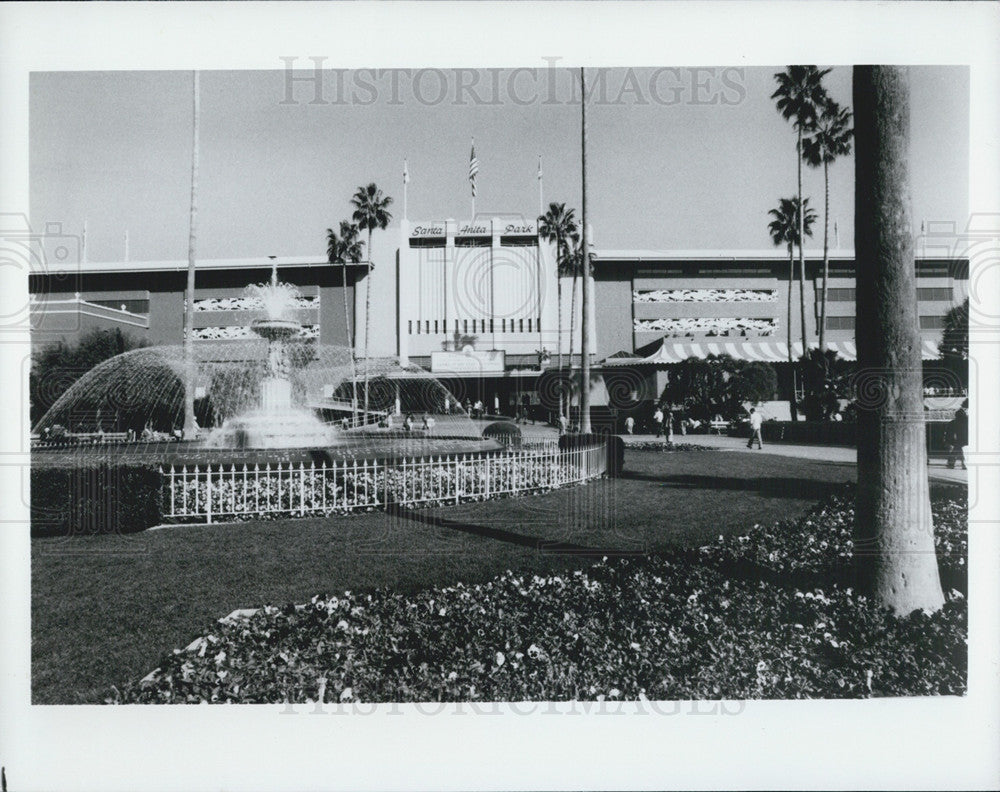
{"points": [[909, 743]]}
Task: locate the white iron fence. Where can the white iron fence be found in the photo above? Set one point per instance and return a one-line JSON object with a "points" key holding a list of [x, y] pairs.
{"points": [[220, 492]]}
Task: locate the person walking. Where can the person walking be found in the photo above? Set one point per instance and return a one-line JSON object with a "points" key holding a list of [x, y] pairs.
{"points": [[958, 437], [630, 424], [658, 421], [756, 420]]}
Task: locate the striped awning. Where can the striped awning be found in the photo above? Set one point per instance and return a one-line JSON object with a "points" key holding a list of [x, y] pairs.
{"points": [[671, 351]]}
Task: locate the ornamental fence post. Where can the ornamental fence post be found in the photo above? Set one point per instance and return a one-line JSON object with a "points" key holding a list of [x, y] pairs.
{"points": [[302, 488], [208, 493]]}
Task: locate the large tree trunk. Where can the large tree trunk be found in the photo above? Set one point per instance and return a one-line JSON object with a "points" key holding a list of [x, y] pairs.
{"points": [[190, 425], [585, 264], [893, 534], [826, 253]]}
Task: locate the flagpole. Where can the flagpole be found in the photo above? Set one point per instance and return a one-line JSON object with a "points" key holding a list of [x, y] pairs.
{"points": [[473, 170], [541, 200], [406, 181]]}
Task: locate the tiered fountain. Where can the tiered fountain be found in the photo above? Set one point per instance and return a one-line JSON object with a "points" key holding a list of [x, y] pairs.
{"points": [[277, 423]]}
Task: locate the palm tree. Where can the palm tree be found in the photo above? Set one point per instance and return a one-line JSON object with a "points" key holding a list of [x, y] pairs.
{"points": [[190, 426], [831, 138], [799, 94], [585, 297], [893, 531], [558, 225], [371, 212], [784, 230], [345, 249]]}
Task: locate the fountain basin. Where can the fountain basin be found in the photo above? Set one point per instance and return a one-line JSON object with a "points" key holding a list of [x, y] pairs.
{"points": [[275, 428], [275, 329]]}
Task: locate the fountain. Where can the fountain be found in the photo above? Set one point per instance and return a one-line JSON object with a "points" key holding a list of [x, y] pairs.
{"points": [[276, 423], [273, 395]]}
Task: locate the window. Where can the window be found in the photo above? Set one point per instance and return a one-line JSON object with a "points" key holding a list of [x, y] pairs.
{"points": [[931, 322], [840, 322], [934, 294], [132, 306], [840, 294]]}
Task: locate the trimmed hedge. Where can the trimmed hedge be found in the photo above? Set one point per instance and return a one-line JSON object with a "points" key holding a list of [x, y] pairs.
{"points": [[95, 499], [504, 432]]}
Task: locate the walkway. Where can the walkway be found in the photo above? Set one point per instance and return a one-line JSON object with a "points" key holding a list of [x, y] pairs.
{"points": [[937, 469]]}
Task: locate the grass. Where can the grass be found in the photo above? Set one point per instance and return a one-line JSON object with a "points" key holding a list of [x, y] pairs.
{"points": [[105, 609]]}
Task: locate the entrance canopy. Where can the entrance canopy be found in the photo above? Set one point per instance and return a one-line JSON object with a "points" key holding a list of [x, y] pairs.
{"points": [[670, 351]]}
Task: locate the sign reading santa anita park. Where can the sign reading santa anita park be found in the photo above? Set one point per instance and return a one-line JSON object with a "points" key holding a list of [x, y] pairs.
{"points": [[488, 361], [476, 228]]}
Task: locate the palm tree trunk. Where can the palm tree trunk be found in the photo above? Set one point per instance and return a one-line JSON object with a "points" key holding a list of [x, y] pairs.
{"points": [[350, 348], [894, 551], [559, 321], [802, 242], [190, 425], [572, 332], [826, 253], [368, 319], [792, 399], [585, 264]]}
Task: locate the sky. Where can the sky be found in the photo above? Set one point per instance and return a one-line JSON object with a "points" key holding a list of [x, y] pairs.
{"points": [[678, 158]]}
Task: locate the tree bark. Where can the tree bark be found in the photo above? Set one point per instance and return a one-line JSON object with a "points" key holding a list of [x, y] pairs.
{"points": [[802, 243], [826, 253], [893, 533], [792, 399], [559, 322], [585, 264], [190, 425]]}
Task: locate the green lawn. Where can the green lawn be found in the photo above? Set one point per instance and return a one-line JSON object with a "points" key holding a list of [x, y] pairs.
{"points": [[105, 609]]}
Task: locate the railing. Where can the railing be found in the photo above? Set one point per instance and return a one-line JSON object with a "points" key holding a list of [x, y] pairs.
{"points": [[213, 492]]}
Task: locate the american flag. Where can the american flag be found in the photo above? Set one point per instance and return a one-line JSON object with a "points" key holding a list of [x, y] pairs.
{"points": [[406, 173], [473, 168]]}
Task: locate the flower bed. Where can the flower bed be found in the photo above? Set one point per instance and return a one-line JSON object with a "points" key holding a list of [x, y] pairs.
{"points": [[821, 543], [659, 445], [653, 628]]}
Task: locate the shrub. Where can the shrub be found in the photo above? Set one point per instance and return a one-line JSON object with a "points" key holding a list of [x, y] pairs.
{"points": [[504, 432], [819, 546], [95, 499], [650, 628]]}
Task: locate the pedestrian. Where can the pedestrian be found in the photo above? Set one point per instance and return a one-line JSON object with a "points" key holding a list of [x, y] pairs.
{"points": [[408, 423], [668, 422], [756, 420], [658, 421], [958, 437], [629, 424], [496, 404], [563, 424]]}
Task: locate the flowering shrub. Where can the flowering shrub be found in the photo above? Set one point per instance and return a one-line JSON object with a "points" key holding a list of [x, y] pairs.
{"points": [[659, 445], [821, 542], [651, 628], [296, 491]]}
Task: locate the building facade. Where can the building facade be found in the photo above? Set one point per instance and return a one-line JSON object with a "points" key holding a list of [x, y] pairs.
{"points": [[146, 299], [480, 304]]}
